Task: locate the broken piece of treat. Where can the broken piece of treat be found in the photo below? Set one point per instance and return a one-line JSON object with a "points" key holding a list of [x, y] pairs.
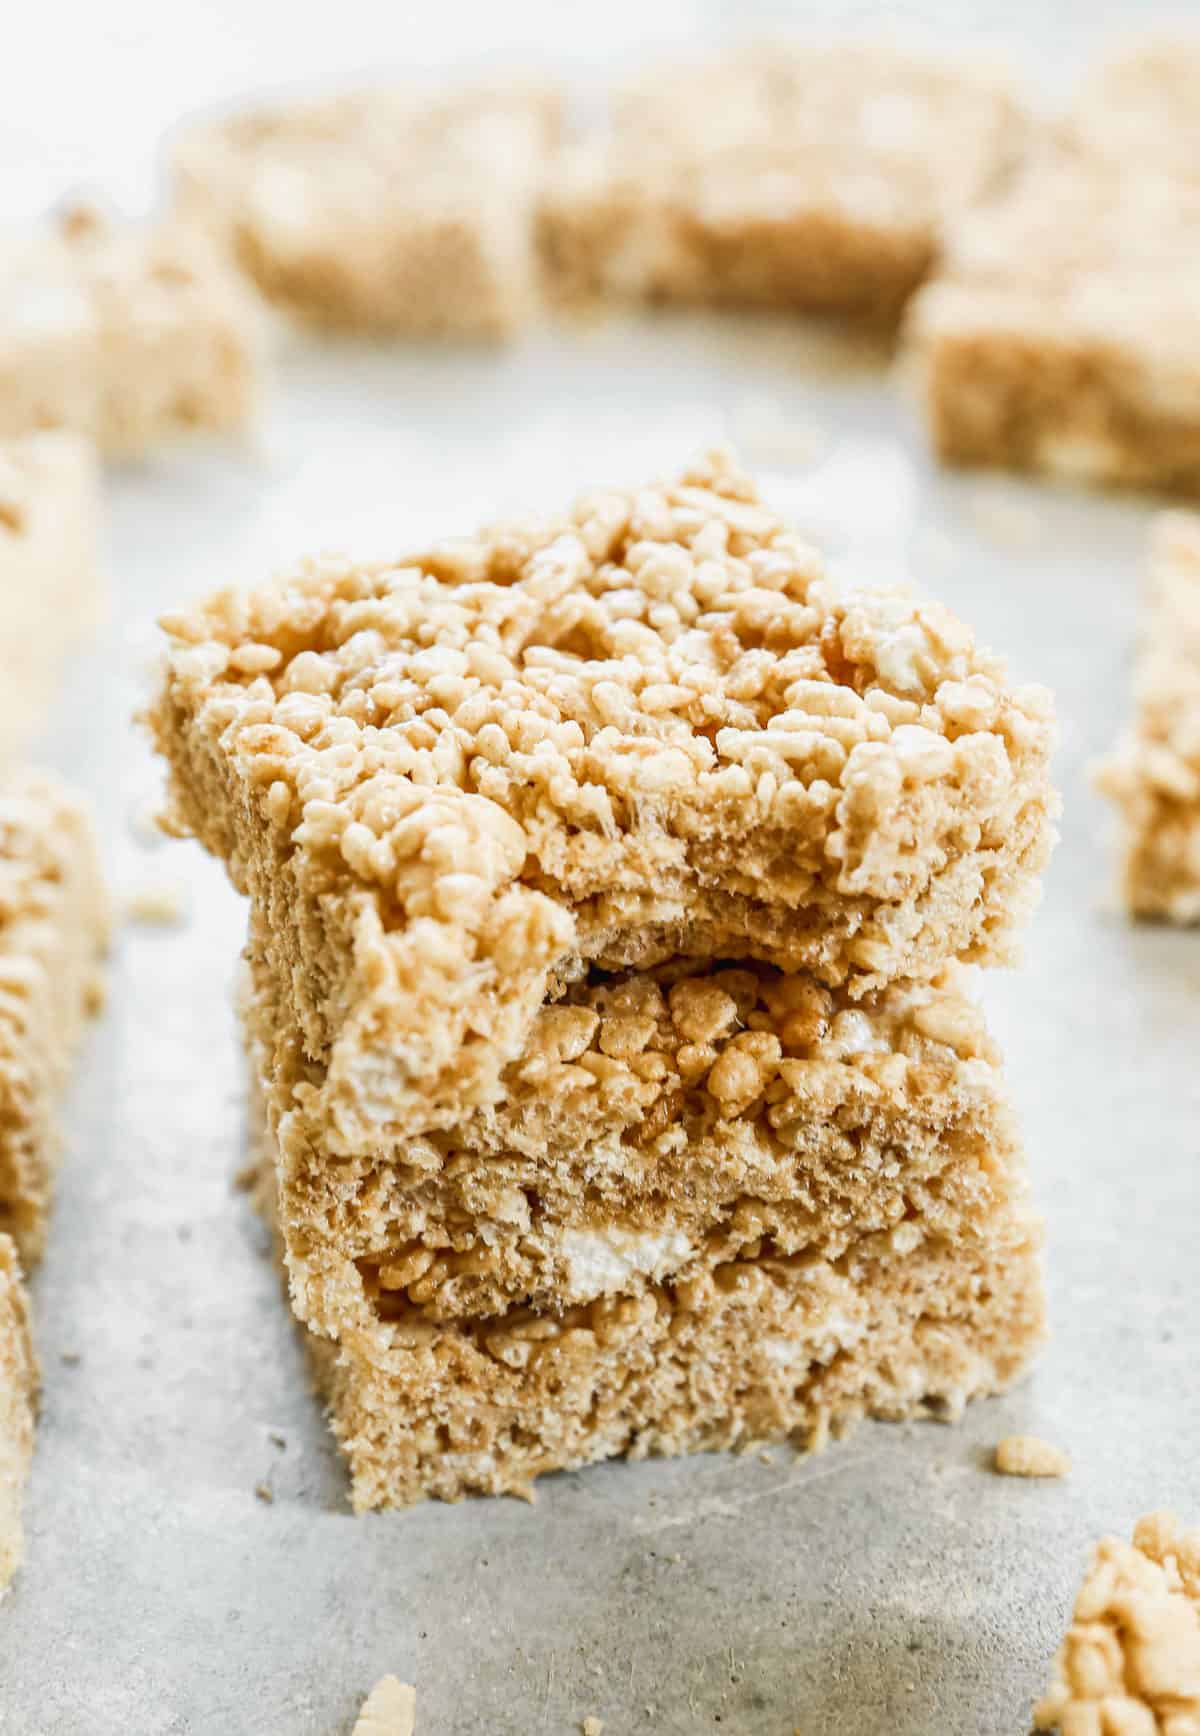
{"points": [[649, 729], [1154, 775], [53, 931], [18, 1393], [49, 580], [390, 1709], [811, 178], [388, 210], [127, 333], [1131, 1657]]}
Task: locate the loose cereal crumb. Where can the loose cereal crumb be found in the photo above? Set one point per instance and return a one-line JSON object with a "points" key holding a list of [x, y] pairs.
{"points": [[1027, 1456], [158, 902], [1130, 1662], [592, 1727], [390, 1709], [264, 1492]]}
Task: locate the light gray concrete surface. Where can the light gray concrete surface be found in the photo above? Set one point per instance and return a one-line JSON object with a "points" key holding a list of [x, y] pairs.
{"points": [[890, 1587]]}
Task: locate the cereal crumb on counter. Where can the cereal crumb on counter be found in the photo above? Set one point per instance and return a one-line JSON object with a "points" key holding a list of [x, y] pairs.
{"points": [[1027, 1456], [162, 903], [390, 1709]]}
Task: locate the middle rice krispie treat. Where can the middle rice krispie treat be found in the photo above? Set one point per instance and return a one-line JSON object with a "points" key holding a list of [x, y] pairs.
{"points": [[657, 1124], [650, 729]]}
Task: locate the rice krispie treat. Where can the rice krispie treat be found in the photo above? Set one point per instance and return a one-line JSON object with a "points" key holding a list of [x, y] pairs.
{"points": [[52, 936], [658, 1125], [647, 730], [49, 580], [1154, 776], [1131, 1659], [759, 1347], [18, 1393], [125, 333], [387, 210], [815, 178], [1062, 333]]}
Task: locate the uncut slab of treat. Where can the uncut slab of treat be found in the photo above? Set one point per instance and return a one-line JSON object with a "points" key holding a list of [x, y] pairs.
{"points": [[49, 580], [18, 1392], [53, 929], [604, 875], [390, 210], [1130, 1660], [127, 333], [1062, 333], [1154, 775], [814, 178]]}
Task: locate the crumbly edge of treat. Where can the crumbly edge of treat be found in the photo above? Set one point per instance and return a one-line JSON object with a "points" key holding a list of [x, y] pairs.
{"points": [[444, 783], [49, 573], [202, 369], [53, 933], [1153, 777], [654, 1126], [18, 1394], [1130, 1660]]}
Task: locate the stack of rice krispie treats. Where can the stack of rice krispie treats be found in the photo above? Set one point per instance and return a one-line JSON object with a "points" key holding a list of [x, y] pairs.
{"points": [[611, 879]]}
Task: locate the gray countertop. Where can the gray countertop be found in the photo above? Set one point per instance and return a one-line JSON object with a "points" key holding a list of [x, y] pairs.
{"points": [[891, 1585]]}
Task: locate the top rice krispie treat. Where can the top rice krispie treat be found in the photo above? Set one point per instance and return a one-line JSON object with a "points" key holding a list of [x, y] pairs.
{"points": [[814, 177], [384, 209], [649, 728]]}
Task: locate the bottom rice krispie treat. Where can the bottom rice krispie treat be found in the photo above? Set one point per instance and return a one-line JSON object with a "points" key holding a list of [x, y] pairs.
{"points": [[760, 1348], [713, 1208], [1154, 776], [1130, 1662], [18, 1391], [53, 930]]}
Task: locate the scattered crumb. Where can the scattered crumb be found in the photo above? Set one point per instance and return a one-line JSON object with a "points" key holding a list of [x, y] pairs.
{"points": [[390, 1709], [1027, 1456], [71, 1358], [264, 1492], [163, 902], [766, 1459], [592, 1727], [276, 1439], [1002, 520], [246, 1178]]}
